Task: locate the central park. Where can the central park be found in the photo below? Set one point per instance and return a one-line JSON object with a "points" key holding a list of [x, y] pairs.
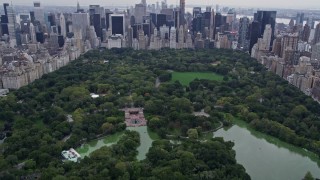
{"points": [[181, 99]]}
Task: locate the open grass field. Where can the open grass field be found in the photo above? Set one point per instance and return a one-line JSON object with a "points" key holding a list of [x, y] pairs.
{"points": [[186, 77]]}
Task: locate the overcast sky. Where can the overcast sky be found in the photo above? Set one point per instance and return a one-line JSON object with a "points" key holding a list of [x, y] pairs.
{"points": [[237, 3]]}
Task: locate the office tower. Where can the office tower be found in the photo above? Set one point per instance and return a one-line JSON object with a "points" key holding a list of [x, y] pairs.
{"points": [[80, 21], [243, 41], [63, 25], [208, 9], [4, 20], [161, 20], [316, 38], [139, 11], [39, 13], [5, 5], [117, 24], [176, 16], [306, 33], [299, 18], [173, 38], [231, 17], [255, 33], [32, 18], [52, 19], [130, 37], [182, 12], [205, 24], [93, 9], [146, 29], [218, 22], [40, 37], [60, 41], [196, 11], [11, 25], [97, 24], [315, 52], [169, 13], [264, 18], [32, 34], [108, 13], [144, 2]]}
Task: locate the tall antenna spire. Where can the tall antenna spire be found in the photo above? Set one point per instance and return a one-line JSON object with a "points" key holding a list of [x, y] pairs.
{"points": [[78, 6]]}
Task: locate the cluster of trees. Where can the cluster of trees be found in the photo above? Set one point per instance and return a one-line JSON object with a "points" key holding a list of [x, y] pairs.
{"points": [[35, 116]]}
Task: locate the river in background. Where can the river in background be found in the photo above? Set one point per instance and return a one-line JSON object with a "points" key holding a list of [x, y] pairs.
{"points": [[267, 158]]}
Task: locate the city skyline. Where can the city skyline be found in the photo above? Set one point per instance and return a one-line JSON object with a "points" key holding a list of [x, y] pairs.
{"points": [[294, 4]]}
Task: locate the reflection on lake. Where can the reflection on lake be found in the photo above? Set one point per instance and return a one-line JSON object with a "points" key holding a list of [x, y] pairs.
{"points": [[146, 139], [267, 158]]}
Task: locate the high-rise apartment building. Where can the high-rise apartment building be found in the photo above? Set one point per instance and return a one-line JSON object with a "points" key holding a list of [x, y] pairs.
{"points": [[173, 38]]}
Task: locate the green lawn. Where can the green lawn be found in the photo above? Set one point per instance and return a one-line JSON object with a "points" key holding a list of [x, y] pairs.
{"points": [[186, 77]]}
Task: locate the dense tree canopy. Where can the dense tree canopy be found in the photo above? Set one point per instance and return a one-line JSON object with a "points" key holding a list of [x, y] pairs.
{"points": [[36, 118]]}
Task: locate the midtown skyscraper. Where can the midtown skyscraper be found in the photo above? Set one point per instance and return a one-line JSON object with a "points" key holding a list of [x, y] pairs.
{"points": [[264, 18], [182, 11]]}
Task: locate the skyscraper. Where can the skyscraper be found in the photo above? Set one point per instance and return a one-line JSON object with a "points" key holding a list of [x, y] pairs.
{"points": [[264, 18], [196, 11], [173, 38], [243, 41], [97, 24], [39, 13], [144, 2], [117, 24], [255, 33], [182, 12], [11, 25], [316, 38], [80, 21], [306, 33], [161, 20], [63, 25], [139, 11], [32, 34]]}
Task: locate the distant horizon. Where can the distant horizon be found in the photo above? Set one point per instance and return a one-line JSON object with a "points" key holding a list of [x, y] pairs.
{"points": [[293, 4]]}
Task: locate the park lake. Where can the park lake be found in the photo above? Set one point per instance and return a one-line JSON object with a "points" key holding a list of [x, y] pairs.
{"points": [[146, 137], [263, 156], [266, 157]]}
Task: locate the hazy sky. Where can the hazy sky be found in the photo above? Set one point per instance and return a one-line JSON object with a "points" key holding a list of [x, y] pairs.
{"points": [[238, 3]]}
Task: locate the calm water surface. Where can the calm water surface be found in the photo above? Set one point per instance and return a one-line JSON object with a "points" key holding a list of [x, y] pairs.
{"points": [[267, 158]]}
